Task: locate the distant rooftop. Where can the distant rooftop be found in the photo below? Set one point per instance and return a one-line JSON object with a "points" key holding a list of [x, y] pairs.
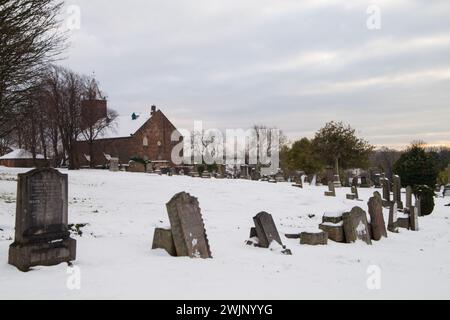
{"points": [[20, 154], [125, 126]]}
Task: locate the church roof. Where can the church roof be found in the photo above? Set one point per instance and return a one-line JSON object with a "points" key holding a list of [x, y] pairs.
{"points": [[125, 126]]}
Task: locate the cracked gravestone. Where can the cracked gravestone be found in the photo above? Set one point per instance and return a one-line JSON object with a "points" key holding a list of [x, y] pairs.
{"points": [[42, 237]]}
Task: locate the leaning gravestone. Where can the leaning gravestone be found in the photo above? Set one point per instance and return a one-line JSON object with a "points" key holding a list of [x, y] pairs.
{"points": [[188, 229], [331, 190], [266, 232], [377, 223], [42, 237], [398, 191], [356, 226]]}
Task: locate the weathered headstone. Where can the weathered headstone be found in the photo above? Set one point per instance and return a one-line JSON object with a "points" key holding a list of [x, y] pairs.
{"points": [[408, 203], [354, 195], [414, 218], [163, 239], [377, 223], [331, 190], [314, 238], [386, 192], [42, 236], [356, 226], [397, 191], [188, 229], [366, 182], [393, 217], [114, 164], [332, 224], [266, 231]]}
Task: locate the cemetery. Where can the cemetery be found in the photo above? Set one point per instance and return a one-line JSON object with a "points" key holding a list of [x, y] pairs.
{"points": [[136, 231]]}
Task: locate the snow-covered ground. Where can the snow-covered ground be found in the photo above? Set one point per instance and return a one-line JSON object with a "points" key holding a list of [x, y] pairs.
{"points": [[122, 210]]}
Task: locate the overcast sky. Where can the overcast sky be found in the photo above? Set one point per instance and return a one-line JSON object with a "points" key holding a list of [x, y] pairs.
{"points": [[294, 64]]}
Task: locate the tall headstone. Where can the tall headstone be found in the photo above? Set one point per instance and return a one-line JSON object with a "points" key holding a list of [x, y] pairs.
{"points": [[393, 217], [414, 218], [397, 191], [386, 191], [331, 190], [356, 226], [408, 203], [42, 236], [188, 229], [377, 223]]}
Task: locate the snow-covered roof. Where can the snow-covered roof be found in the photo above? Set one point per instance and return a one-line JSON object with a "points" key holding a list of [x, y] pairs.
{"points": [[20, 154], [125, 126]]}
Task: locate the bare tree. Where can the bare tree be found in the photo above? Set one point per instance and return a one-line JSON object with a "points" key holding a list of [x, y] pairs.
{"points": [[29, 38]]}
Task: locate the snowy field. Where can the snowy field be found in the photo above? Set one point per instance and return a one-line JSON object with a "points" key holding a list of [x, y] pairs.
{"points": [[122, 210]]}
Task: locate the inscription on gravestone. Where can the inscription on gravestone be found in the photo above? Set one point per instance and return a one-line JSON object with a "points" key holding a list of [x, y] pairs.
{"points": [[42, 236]]}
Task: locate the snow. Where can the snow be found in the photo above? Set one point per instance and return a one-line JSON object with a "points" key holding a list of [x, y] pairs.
{"points": [[125, 126], [20, 154], [115, 260]]}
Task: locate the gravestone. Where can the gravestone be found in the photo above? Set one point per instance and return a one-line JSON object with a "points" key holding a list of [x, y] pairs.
{"points": [[354, 195], [188, 229], [355, 182], [398, 191], [414, 218], [408, 203], [393, 217], [163, 239], [386, 192], [42, 236], [331, 190], [314, 238], [366, 182], [332, 224], [298, 182], [337, 181], [266, 231], [356, 226], [114, 164], [377, 224]]}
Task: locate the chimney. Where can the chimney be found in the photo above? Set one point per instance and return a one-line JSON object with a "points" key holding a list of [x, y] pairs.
{"points": [[153, 110]]}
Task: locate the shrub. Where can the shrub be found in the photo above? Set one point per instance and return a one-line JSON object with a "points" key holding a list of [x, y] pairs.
{"points": [[426, 196]]}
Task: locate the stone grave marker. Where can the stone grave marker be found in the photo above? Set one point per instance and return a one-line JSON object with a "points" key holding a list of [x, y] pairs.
{"points": [[331, 190], [188, 229], [355, 182], [42, 237], [398, 191], [332, 224], [414, 217], [386, 192], [314, 238], [354, 194], [266, 231], [393, 217], [134, 166], [163, 239], [408, 203], [114, 164], [377, 224], [356, 226]]}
